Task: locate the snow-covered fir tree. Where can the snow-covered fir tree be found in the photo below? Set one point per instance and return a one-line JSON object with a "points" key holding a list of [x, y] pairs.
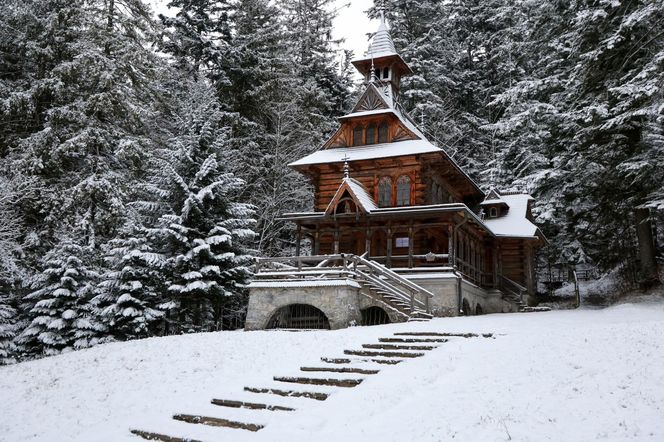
{"points": [[208, 231], [61, 315], [7, 331], [130, 302]]}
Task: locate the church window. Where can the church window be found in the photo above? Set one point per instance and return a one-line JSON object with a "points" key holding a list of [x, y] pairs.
{"points": [[382, 132], [358, 136], [403, 191], [386, 73], [385, 192], [493, 212], [371, 134]]}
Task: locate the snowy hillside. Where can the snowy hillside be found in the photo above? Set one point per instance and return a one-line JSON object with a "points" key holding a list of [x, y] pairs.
{"points": [[560, 376]]}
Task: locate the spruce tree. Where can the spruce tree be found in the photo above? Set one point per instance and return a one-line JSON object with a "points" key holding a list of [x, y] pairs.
{"points": [[7, 331], [131, 298], [61, 316]]}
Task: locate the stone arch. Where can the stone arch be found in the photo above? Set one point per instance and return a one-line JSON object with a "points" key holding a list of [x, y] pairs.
{"points": [[466, 308], [479, 310], [374, 315], [298, 316]]}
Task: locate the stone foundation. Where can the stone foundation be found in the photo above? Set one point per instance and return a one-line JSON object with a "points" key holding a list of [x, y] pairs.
{"points": [[342, 300]]}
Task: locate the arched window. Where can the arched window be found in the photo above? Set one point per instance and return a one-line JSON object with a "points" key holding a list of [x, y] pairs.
{"points": [[385, 192], [386, 73], [403, 191], [382, 132], [493, 212], [371, 134], [358, 136]]}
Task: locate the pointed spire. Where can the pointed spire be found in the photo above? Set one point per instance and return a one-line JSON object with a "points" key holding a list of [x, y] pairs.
{"points": [[382, 43], [346, 166]]}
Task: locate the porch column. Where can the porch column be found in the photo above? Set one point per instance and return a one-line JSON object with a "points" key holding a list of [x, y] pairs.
{"points": [[317, 241], [388, 258], [450, 245], [494, 251], [410, 247], [367, 242], [530, 281], [298, 241]]}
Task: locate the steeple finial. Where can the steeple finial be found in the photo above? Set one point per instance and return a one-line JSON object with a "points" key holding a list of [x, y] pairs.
{"points": [[381, 8], [346, 166]]}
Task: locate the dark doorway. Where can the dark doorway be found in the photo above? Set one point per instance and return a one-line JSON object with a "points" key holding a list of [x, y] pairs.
{"points": [[478, 310], [299, 316], [374, 316], [466, 308]]}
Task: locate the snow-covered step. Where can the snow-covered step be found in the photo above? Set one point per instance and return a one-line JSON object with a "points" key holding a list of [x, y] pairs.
{"points": [[340, 370], [413, 340], [319, 396], [216, 422], [389, 354], [249, 405], [381, 361], [332, 382], [399, 347], [458, 335], [167, 429]]}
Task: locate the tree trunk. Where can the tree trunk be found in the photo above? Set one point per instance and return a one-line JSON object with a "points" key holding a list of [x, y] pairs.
{"points": [[646, 245]]}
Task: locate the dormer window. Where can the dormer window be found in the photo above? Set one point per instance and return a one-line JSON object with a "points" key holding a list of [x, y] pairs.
{"points": [[382, 132], [493, 212], [358, 136], [371, 134]]}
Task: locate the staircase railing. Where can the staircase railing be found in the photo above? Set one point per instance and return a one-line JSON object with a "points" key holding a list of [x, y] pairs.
{"points": [[512, 288], [401, 287], [351, 265]]}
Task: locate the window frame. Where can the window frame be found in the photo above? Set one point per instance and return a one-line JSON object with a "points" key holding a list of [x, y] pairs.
{"points": [[386, 127], [390, 189], [358, 129], [403, 179]]}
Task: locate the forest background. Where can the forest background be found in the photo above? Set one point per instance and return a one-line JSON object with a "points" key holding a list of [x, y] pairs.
{"points": [[143, 159]]}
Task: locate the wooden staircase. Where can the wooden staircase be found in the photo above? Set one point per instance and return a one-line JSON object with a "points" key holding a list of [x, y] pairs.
{"points": [[405, 299]]}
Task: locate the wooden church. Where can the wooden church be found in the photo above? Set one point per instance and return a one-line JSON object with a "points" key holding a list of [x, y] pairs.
{"points": [[399, 231]]}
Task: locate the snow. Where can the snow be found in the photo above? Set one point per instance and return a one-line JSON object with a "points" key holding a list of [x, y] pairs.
{"points": [[305, 283], [553, 376], [514, 223], [373, 151], [361, 195]]}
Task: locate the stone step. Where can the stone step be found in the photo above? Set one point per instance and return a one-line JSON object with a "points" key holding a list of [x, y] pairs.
{"points": [[305, 394], [458, 335], [348, 361], [346, 383], [160, 437], [412, 340], [249, 405], [398, 347], [216, 422], [393, 354], [340, 370]]}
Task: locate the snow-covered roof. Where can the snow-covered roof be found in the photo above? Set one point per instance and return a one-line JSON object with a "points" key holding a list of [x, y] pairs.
{"points": [[358, 192], [369, 152], [367, 113], [361, 194], [515, 222], [287, 283], [382, 44], [493, 201]]}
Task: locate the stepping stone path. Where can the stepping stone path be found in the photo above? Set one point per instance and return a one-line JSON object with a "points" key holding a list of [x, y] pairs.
{"points": [[388, 351]]}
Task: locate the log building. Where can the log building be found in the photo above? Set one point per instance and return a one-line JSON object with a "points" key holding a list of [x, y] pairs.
{"points": [[399, 231]]}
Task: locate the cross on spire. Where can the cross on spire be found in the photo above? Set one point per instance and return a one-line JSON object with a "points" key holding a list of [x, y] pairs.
{"points": [[381, 9]]}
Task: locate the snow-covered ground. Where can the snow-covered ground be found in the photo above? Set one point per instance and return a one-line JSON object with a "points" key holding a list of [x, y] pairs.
{"points": [[576, 375]]}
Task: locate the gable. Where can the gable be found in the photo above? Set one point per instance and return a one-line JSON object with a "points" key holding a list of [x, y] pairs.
{"points": [[370, 100]]}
